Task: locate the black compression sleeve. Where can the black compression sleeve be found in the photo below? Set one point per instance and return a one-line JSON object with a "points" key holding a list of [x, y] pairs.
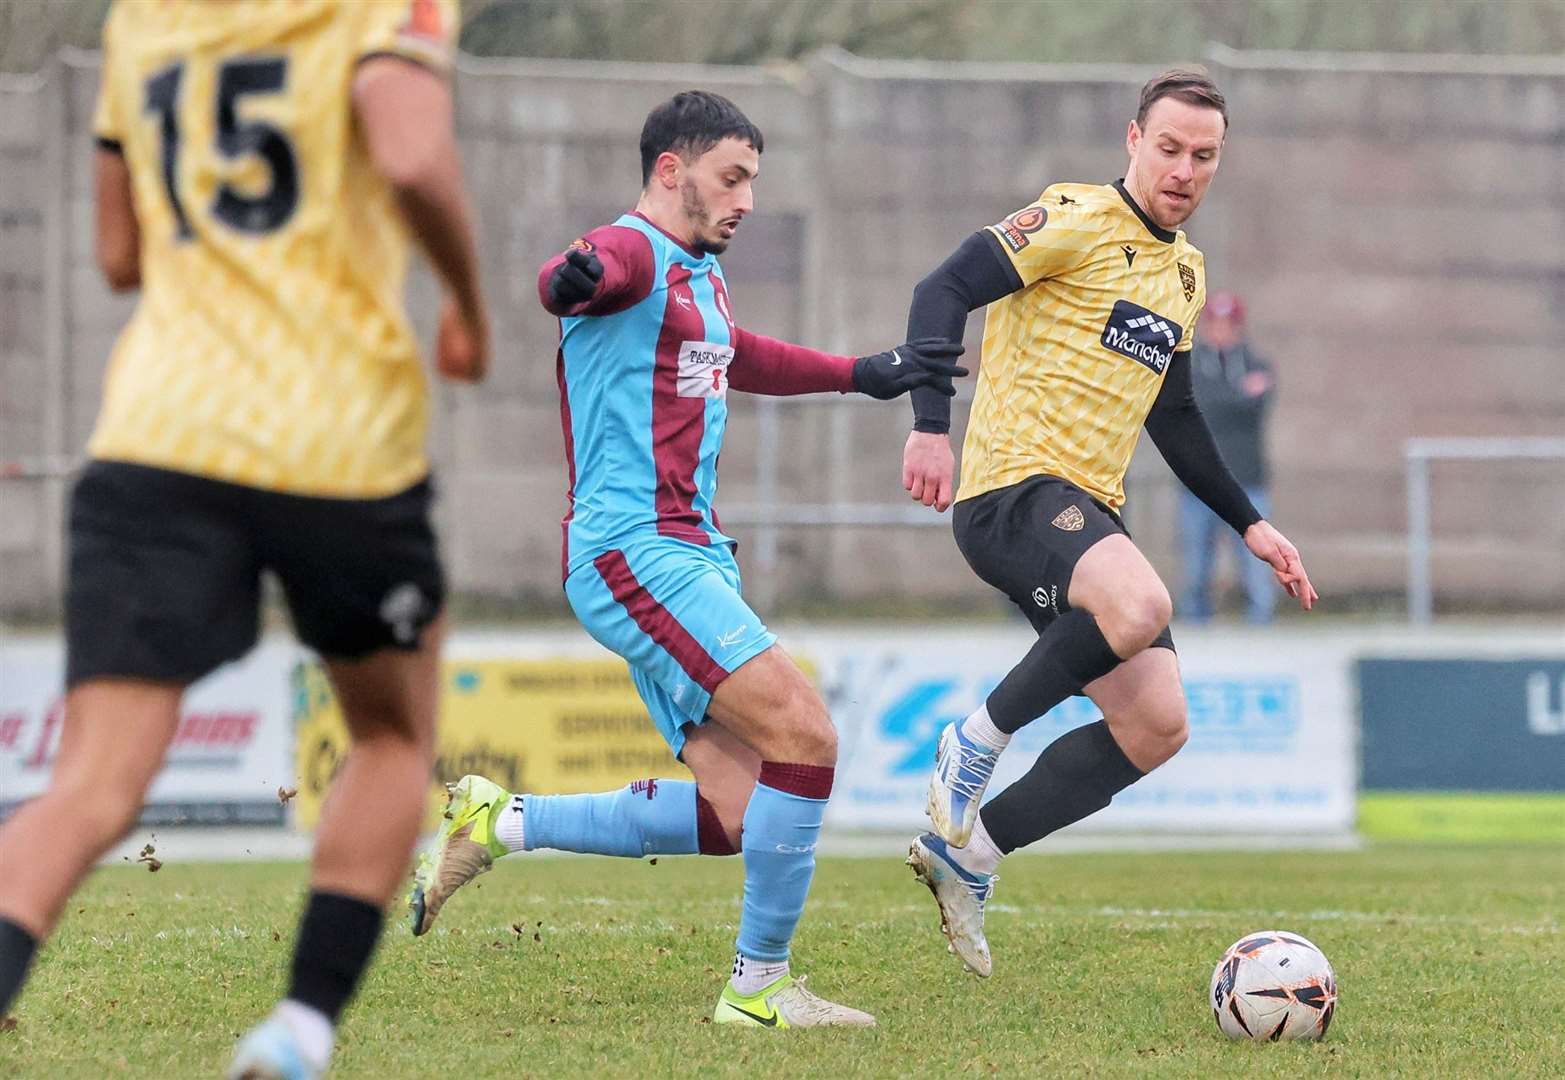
{"points": [[1182, 437], [977, 273]]}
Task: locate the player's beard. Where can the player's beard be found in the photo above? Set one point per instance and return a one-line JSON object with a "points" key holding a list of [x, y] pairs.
{"points": [[700, 218]]}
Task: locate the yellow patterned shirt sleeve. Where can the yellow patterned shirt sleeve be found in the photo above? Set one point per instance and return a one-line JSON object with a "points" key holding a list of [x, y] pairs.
{"points": [[424, 31], [1044, 238], [106, 118]]}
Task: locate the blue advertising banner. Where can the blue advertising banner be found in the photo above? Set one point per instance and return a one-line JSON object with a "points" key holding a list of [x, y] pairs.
{"points": [[1271, 731], [1465, 725]]}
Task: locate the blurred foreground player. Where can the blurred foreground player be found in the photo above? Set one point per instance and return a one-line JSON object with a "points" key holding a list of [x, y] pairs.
{"points": [[648, 352], [259, 167], [1093, 292]]}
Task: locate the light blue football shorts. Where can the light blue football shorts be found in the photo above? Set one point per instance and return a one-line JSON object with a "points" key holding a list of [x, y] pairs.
{"points": [[673, 610]]}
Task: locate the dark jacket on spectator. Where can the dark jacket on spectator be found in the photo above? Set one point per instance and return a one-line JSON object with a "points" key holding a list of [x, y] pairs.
{"points": [[1237, 419]]}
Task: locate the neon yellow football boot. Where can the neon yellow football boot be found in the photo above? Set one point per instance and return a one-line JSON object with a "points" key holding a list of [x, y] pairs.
{"points": [[467, 847], [786, 1003]]}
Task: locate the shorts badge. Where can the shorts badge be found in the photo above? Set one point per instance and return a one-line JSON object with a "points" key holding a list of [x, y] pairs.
{"points": [[1070, 519], [403, 610]]}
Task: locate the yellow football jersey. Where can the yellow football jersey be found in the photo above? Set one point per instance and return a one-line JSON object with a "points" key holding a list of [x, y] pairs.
{"points": [[270, 346], [1073, 361]]}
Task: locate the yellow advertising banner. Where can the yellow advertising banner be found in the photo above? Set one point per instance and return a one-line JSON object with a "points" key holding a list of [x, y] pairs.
{"points": [[544, 726]]}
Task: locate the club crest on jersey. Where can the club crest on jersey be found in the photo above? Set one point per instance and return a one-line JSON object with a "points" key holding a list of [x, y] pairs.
{"points": [[703, 369], [1187, 280], [1069, 519], [1145, 336], [1016, 229]]}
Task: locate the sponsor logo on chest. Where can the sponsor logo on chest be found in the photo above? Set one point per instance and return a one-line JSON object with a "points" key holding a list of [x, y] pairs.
{"points": [[1145, 336], [703, 369]]}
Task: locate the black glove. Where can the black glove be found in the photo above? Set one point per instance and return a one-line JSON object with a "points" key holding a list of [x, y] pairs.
{"points": [[575, 280], [925, 362]]}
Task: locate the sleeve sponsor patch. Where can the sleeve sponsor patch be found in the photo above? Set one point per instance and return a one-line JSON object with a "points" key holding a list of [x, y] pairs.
{"points": [[425, 36], [1016, 230], [424, 21], [703, 369]]}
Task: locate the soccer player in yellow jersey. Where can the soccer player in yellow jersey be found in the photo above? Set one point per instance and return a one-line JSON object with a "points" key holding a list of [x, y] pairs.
{"points": [[1093, 291], [260, 169]]}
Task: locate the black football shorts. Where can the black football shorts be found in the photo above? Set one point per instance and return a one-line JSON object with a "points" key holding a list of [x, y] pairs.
{"points": [[1026, 539], [165, 571]]}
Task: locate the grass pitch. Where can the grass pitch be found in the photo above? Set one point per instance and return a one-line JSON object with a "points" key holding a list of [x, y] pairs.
{"points": [[1449, 961]]}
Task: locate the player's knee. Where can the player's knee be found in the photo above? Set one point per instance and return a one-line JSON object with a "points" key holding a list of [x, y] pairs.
{"points": [[816, 740], [1137, 619], [1167, 728], [811, 736], [394, 730]]}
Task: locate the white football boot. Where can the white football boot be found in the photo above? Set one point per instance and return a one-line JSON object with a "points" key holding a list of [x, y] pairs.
{"points": [[961, 895], [962, 772]]}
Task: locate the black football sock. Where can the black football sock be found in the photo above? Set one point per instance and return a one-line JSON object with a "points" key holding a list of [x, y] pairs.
{"points": [[16, 954], [337, 936], [1071, 653], [1075, 776]]}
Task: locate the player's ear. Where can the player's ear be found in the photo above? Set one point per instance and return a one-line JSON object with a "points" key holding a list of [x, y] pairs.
{"points": [[1132, 137], [666, 169]]}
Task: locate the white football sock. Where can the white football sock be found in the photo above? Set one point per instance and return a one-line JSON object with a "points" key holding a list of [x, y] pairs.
{"points": [[753, 976], [980, 729], [980, 856], [508, 824], [311, 1027]]}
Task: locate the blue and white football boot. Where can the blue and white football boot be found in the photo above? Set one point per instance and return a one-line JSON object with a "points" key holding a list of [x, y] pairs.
{"points": [[962, 772], [271, 1051], [961, 895]]}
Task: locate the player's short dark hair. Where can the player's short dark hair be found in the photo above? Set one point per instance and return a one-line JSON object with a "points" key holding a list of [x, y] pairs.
{"points": [[690, 124], [1190, 85]]}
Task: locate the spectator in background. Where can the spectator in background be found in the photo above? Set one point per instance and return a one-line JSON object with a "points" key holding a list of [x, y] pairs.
{"points": [[1233, 387]]}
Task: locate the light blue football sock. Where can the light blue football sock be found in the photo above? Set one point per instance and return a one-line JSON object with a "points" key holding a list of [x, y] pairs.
{"points": [[780, 833], [649, 817]]}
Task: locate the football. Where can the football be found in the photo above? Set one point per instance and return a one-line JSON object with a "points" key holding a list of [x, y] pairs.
{"points": [[1273, 985]]}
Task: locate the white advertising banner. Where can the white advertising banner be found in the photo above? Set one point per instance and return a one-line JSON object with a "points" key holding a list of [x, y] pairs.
{"points": [[1272, 744], [232, 751]]}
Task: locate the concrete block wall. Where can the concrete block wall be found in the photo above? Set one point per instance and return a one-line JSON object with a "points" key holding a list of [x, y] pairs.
{"points": [[1399, 236]]}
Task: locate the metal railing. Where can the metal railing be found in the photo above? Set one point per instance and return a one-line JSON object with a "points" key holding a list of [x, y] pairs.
{"points": [[1418, 453]]}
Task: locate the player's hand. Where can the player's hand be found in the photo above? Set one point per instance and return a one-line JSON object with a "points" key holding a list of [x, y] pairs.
{"points": [[925, 362], [1274, 549], [576, 280], [928, 467], [462, 347]]}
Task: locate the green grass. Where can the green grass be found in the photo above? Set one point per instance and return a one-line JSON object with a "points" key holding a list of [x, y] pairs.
{"points": [[1462, 816], [1448, 960]]}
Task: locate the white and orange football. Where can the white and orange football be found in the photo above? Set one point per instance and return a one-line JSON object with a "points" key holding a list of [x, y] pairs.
{"points": [[1273, 985]]}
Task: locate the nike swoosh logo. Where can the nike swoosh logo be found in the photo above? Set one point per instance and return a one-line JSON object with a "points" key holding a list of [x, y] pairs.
{"points": [[765, 1021], [473, 817]]}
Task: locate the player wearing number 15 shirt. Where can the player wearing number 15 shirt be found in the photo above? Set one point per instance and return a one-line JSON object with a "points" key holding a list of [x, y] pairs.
{"points": [[260, 168]]}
